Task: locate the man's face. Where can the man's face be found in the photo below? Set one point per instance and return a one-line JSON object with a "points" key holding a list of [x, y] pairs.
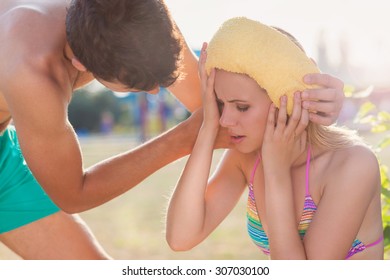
{"points": [[118, 87]]}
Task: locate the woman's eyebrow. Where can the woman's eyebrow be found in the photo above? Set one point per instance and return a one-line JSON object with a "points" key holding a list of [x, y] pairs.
{"points": [[232, 101], [236, 100]]}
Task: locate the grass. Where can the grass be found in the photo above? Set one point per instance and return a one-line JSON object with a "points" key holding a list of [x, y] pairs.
{"points": [[132, 226], [137, 222]]}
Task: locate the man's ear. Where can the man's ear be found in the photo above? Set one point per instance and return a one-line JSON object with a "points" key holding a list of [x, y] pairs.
{"points": [[78, 65]]}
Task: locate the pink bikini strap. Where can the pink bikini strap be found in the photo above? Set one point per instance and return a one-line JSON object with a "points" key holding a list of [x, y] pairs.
{"points": [[307, 170], [254, 171], [376, 242]]}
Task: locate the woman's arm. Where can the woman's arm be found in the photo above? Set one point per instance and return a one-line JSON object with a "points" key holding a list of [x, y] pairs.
{"points": [[349, 205], [195, 208], [352, 182], [188, 89], [283, 143]]}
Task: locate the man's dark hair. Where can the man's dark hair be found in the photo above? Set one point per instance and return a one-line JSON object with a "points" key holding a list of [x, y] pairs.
{"points": [[134, 42]]}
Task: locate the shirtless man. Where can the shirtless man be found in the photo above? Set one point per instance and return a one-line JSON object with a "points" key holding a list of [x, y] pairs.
{"points": [[48, 49]]}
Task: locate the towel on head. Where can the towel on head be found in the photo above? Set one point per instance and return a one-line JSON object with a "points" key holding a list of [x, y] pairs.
{"points": [[272, 59]]}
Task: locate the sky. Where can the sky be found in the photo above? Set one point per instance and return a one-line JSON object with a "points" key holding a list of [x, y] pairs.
{"points": [[363, 26]]}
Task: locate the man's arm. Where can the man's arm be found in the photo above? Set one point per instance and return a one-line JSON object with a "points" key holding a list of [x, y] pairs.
{"points": [[39, 109], [187, 90]]}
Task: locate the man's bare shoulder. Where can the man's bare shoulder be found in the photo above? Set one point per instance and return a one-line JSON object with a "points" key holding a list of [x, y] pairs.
{"points": [[38, 5], [34, 36], [32, 28]]}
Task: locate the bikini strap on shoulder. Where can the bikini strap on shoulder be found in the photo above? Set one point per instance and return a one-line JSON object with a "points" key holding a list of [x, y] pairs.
{"points": [[254, 170], [307, 171]]}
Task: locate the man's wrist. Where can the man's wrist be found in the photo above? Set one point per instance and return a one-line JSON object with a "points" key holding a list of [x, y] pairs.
{"points": [[183, 137]]}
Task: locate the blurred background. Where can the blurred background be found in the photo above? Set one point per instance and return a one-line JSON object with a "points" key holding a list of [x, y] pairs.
{"points": [[348, 39]]}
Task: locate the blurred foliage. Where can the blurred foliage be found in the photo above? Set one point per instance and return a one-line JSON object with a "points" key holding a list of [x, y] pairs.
{"points": [[87, 108], [379, 123]]}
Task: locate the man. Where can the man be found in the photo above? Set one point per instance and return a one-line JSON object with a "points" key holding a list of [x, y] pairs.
{"points": [[125, 45]]}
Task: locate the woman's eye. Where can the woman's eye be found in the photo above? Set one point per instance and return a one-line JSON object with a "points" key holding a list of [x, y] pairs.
{"points": [[242, 108]]}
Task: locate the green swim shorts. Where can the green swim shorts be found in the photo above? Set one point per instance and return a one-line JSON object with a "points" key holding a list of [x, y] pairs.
{"points": [[22, 200]]}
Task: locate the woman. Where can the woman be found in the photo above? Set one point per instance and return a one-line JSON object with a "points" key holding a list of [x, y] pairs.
{"points": [[314, 191]]}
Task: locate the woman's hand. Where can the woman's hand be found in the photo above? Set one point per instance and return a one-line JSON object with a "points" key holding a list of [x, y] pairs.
{"points": [[211, 113], [284, 138], [210, 107], [325, 103]]}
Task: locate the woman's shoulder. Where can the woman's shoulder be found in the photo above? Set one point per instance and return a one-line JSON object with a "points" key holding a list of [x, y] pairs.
{"points": [[356, 156], [352, 156], [353, 167]]}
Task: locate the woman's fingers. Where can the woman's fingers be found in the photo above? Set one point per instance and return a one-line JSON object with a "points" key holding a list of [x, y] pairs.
{"points": [[206, 80], [270, 126], [297, 121], [201, 66], [210, 84], [295, 116], [303, 122], [282, 116]]}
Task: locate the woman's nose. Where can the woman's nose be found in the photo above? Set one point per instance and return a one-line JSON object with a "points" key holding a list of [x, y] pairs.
{"points": [[226, 119]]}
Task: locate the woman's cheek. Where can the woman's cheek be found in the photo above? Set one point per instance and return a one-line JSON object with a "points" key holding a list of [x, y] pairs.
{"points": [[258, 123]]}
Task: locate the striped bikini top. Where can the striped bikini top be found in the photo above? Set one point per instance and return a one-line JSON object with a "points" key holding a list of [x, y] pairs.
{"points": [[255, 227]]}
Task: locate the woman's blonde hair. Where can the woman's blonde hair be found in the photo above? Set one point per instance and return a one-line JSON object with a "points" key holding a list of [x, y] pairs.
{"points": [[332, 137]]}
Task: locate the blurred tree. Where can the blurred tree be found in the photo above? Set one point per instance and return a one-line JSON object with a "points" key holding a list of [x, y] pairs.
{"points": [[87, 109], [379, 122]]}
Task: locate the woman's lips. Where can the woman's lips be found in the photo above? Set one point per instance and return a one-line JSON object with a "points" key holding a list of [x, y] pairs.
{"points": [[237, 139]]}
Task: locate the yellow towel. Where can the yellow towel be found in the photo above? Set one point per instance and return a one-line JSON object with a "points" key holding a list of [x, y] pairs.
{"points": [[245, 46]]}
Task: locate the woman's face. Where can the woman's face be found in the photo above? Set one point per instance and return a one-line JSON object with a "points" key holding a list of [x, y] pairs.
{"points": [[244, 107]]}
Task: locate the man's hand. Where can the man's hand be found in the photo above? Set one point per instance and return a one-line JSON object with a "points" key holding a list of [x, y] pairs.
{"points": [[324, 103]]}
